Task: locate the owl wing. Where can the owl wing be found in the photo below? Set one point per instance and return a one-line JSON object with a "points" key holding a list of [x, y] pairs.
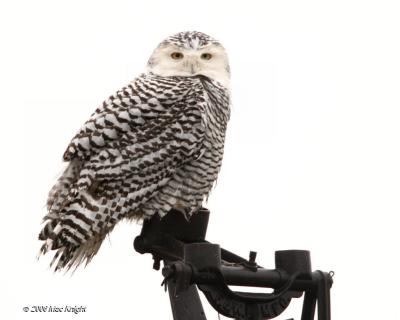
{"points": [[127, 109], [138, 131], [126, 151]]}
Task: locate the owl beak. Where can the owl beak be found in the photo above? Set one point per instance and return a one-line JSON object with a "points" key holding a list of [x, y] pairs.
{"points": [[193, 65], [192, 69]]}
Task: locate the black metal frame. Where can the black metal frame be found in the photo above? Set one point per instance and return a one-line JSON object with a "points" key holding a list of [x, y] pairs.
{"points": [[189, 260]]}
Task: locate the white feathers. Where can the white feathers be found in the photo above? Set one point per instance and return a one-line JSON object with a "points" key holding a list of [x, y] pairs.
{"points": [[217, 68], [155, 145]]}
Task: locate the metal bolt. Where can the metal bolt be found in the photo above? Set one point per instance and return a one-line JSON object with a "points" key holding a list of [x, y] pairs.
{"points": [[252, 257], [156, 263]]}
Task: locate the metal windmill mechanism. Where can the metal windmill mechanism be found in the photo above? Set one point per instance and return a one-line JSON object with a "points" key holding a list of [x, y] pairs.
{"points": [[190, 261]]}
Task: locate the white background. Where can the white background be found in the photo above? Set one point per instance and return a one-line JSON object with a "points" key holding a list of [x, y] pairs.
{"points": [[312, 152]]}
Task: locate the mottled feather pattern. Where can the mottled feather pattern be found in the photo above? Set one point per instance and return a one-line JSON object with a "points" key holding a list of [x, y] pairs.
{"points": [[155, 145], [189, 39]]}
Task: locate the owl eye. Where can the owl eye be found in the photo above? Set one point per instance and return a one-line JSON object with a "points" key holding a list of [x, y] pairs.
{"points": [[176, 55], [206, 56]]}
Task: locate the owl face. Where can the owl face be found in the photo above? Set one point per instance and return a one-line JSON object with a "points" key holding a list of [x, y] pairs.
{"points": [[189, 54]]}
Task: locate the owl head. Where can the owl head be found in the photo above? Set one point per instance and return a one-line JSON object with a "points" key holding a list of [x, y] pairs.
{"points": [[189, 54]]}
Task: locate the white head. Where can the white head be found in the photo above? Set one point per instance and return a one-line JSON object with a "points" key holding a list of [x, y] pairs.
{"points": [[188, 54]]}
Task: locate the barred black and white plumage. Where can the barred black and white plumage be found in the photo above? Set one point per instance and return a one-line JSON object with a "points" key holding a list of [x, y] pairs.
{"points": [[155, 145]]}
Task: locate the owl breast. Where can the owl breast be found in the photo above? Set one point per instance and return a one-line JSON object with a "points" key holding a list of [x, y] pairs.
{"points": [[191, 184]]}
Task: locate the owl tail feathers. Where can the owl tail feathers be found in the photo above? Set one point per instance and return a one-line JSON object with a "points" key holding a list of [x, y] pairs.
{"points": [[62, 191], [68, 254]]}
